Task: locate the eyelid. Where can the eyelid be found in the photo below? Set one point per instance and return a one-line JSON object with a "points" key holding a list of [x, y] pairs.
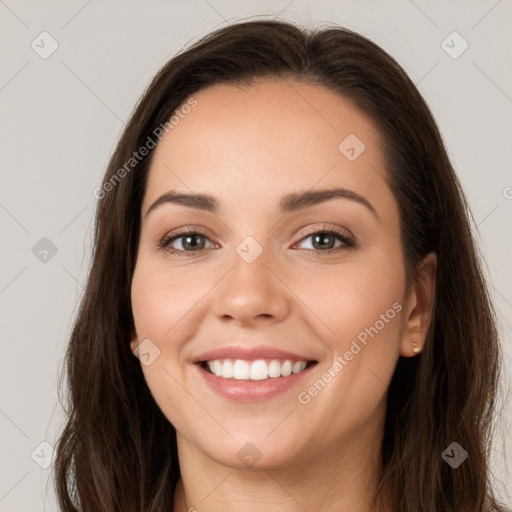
{"points": [[328, 227], [189, 229]]}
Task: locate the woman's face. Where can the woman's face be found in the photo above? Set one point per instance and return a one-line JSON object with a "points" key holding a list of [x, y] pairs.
{"points": [[271, 271]]}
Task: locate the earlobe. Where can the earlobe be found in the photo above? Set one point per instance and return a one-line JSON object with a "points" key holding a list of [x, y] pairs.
{"points": [[420, 312], [416, 349]]}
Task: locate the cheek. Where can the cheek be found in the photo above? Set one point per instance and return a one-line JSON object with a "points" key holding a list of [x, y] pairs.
{"points": [[359, 305], [161, 299], [150, 305], [159, 304], [346, 298]]}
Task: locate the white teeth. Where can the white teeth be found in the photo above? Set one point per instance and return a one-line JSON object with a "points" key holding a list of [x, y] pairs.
{"points": [[298, 366], [227, 369], [259, 370], [217, 366], [286, 369], [240, 369], [274, 369]]}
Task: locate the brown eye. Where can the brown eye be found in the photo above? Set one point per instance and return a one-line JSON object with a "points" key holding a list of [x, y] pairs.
{"points": [[325, 241], [185, 242], [190, 242]]}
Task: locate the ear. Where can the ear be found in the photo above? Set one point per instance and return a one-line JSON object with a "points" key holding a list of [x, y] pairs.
{"points": [[420, 303], [134, 340]]}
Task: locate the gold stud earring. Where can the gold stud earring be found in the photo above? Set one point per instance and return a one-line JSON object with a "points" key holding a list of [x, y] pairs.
{"points": [[415, 348]]}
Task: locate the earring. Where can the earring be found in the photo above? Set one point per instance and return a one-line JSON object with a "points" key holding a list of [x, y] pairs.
{"points": [[416, 350]]}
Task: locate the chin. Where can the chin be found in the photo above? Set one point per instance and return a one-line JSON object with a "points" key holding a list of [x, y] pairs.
{"points": [[254, 452]]}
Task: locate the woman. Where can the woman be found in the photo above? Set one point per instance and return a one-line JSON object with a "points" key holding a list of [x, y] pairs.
{"points": [[283, 245]]}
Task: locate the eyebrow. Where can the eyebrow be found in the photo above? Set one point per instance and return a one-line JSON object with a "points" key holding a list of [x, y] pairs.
{"points": [[289, 203]]}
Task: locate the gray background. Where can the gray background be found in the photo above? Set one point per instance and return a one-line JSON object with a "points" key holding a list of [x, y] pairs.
{"points": [[61, 118]]}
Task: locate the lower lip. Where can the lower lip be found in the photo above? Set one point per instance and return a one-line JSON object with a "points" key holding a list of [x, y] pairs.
{"points": [[251, 390]]}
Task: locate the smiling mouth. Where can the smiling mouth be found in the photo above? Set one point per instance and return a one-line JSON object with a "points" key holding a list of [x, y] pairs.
{"points": [[257, 370]]}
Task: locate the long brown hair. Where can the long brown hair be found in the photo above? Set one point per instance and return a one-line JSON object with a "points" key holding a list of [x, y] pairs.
{"points": [[118, 451]]}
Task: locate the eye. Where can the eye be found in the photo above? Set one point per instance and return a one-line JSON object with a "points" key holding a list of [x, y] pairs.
{"points": [[189, 241], [323, 241]]}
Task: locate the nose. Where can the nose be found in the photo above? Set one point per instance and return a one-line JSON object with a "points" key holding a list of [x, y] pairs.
{"points": [[252, 293]]}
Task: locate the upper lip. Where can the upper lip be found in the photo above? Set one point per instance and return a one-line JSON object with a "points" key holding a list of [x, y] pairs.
{"points": [[253, 353]]}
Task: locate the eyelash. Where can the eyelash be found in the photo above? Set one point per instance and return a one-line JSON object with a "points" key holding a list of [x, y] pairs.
{"points": [[348, 241]]}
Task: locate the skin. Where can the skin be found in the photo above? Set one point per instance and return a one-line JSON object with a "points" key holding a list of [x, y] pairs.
{"points": [[248, 147]]}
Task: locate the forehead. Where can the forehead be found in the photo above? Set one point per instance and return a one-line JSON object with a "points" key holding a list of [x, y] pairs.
{"points": [[267, 139]]}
